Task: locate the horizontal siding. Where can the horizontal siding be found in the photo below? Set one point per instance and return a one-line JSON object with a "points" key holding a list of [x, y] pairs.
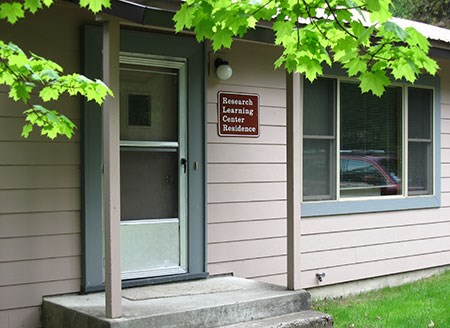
{"points": [[445, 184], [37, 224], [247, 211], [26, 177], [243, 153], [28, 295], [235, 231], [445, 199], [367, 270], [39, 247], [39, 200], [240, 250], [445, 170], [39, 153], [247, 176], [24, 317], [320, 242], [248, 172], [445, 126], [276, 279], [357, 222], [244, 192], [253, 267], [40, 243], [379, 252], [26, 272]]}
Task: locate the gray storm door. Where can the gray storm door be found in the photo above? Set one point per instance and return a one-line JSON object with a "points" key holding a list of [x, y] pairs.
{"points": [[173, 58], [153, 166]]}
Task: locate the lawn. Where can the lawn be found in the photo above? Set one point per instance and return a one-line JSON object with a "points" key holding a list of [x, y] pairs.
{"points": [[422, 304]]}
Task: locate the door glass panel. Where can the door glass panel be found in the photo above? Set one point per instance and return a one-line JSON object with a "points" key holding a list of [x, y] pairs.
{"points": [[153, 180], [149, 184], [149, 103], [148, 251]]}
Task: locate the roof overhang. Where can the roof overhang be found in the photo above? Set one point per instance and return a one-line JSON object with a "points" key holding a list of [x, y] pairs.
{"points": [[160, 13]]}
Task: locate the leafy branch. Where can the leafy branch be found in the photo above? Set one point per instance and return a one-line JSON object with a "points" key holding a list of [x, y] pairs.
{"points": [[27, 75], [369, 47]]}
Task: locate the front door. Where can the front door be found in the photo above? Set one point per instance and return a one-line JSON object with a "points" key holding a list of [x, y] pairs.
{"points": [[153, 166]]}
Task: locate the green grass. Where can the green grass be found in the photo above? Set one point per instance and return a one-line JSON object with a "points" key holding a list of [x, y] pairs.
{"points": [[425, 303]]}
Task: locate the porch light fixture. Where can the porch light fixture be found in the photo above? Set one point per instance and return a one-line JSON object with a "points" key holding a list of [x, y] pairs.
{"points": [[223, 69]]}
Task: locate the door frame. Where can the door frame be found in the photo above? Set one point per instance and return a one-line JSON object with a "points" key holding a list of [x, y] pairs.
{"points": [[156, 44]]}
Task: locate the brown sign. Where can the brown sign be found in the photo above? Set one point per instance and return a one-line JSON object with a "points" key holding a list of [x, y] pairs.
{"points": [[238, 114]]}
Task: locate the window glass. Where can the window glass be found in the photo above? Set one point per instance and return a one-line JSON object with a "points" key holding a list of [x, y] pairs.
{"points": [[319, 107], [367, 159], [371, 142], [318, 170], [420, 103], [319, 154], [420, 142]]}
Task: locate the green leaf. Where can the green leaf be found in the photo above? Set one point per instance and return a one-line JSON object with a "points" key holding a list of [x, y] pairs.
{"points": [[310, 67], [183, 18], [26, 130], [392, 27], [283, 30], [95, 5], [11, 11], [251, 22], [32, 5], [49, 93], [374, 82], [355, 66], [222, 38], [417, 39], [20, 91]]}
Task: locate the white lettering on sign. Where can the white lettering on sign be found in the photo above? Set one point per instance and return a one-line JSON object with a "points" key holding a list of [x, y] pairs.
{"points": [[238, 114], [228, 101]]}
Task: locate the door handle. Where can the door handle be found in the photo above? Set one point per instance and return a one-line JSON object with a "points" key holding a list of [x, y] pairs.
{"points": [[184, 164]]}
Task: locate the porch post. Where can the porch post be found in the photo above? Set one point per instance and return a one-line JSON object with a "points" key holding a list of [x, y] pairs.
{"points": [[111, 175], [294, 93]]}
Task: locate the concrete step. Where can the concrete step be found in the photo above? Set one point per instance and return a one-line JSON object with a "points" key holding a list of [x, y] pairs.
{"points": [[214, 302], [303, 319]]}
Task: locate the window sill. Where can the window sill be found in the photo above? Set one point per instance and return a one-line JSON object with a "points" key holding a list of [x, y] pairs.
{"points": [[312, 209]]}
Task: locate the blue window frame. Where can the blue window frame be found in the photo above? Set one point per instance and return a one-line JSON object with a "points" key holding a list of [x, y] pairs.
{"points": [[363, 153]]}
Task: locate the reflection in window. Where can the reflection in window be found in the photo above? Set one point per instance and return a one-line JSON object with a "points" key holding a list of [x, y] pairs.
{"points": [[371, 135], [377, 135], [420, 141], [319, 169]]}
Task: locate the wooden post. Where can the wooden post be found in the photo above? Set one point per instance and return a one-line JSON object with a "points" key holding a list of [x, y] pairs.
{"points": [[294, 93], [111, 176]]}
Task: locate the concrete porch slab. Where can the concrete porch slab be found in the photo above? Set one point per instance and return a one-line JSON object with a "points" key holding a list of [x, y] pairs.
{"points": [[216, 302]]}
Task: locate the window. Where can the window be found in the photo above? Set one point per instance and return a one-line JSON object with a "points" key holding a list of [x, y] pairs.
{"points": [[362, 147]]}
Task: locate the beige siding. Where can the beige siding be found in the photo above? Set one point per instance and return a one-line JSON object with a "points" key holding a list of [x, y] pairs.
{"points": [[23, 317], [40, 181], [247, 176], [247, 192]]}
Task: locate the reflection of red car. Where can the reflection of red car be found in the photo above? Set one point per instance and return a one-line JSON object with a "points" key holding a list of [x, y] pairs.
{"points": [[370, 171]]}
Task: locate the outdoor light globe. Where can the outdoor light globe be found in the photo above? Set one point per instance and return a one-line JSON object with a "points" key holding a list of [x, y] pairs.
{"points": [[224, 71]]}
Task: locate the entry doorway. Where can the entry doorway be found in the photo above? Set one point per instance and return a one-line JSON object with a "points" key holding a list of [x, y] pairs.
{"points": [[153, 160], [164, 229]]}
